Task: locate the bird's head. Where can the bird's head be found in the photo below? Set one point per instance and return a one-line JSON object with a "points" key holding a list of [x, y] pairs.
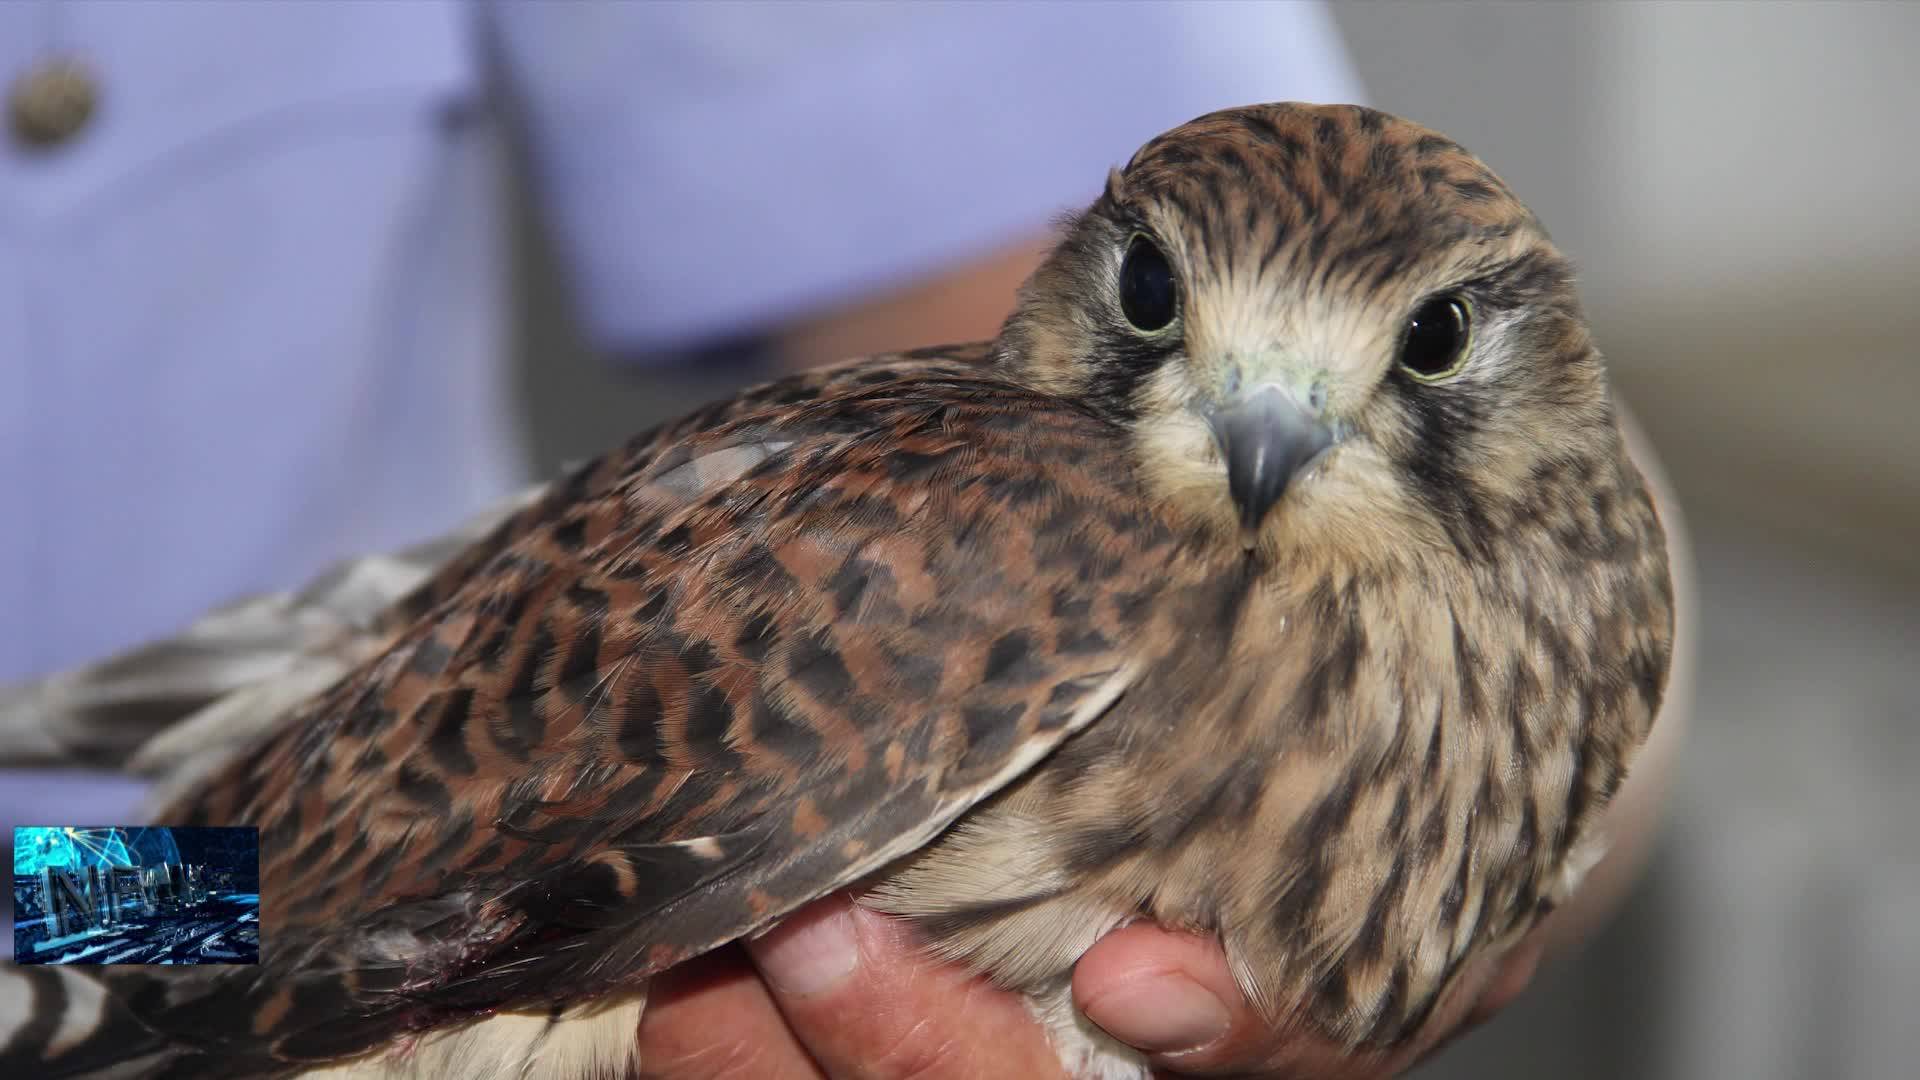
{"points": [[1326, 328]]}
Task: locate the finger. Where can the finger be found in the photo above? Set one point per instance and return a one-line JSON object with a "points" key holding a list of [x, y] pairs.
{"points": [[869, 1005], [1172, 996], [712, 1019]]}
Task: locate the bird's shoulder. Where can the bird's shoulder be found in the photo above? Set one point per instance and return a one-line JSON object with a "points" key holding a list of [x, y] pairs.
{"points": [[599, 475]]}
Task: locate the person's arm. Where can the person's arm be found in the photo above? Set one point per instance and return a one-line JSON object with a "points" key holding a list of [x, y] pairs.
{"points": [[966, 303]]}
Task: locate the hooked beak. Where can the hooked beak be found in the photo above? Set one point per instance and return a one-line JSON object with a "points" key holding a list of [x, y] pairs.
{"points": [[1266, 437]]}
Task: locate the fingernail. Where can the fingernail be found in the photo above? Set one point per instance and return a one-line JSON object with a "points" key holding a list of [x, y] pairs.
{"points": [[1161, 1016], [810, 954]]}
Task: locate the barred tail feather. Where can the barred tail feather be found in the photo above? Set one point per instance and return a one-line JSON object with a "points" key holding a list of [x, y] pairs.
{"points": [[227, 677], [60, 1022]]}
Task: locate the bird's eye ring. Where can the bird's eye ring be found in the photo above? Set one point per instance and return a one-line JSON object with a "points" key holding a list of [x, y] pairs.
{"points": [[1438, 333], [1148, 297]]}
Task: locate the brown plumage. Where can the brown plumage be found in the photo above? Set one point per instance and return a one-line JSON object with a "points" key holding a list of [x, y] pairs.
{"points": [[1234, 622]]}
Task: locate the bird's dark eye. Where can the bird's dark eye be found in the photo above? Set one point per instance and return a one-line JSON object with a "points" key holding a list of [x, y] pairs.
{"points": [[1436, 340], [1146, 286]]}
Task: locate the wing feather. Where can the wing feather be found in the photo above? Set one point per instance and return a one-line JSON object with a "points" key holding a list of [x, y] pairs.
{"points": [[780, 652]]}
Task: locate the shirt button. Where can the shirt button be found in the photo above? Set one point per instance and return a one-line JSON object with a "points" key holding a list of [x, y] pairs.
{"points": [[51, 103]]}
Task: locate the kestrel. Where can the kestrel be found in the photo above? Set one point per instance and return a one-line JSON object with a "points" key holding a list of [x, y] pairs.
{"points": [[1277, 573]]}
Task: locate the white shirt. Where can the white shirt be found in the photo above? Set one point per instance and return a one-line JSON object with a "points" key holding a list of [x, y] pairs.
{"points": [[251, 316]]}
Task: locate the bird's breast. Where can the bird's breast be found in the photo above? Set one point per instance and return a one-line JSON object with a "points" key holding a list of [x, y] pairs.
{"points": [[1353, 786]]}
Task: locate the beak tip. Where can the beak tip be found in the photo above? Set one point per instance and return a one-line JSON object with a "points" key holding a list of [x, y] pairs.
{"points": [[1267, 438]]}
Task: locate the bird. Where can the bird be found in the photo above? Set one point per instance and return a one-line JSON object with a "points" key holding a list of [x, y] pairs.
{"points": [[1277, 573]]}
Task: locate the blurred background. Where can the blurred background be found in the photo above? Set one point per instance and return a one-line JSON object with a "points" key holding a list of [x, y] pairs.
{"points": [[1736, 182]]}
